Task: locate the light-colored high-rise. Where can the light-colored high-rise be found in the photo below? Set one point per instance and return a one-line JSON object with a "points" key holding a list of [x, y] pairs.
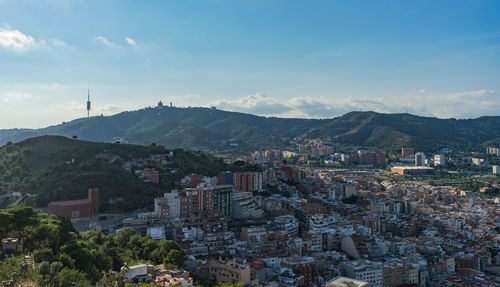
{"points": [[439, 160], [419, 159]]}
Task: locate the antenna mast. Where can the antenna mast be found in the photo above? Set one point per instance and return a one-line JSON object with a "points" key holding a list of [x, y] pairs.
{"points": [[88, 103]]}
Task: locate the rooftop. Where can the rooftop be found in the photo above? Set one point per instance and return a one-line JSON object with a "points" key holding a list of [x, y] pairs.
{"points": [[411, 167], [69, 202], [10, 240], [343, 281]]}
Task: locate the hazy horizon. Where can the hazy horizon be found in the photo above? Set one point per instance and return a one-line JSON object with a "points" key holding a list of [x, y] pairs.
{"points": [[279, 58]]}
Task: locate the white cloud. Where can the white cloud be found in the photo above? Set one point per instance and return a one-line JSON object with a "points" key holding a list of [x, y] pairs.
{"points": [[59, 43], [110, 109], [73, 106], [11, 97], [131, 41], [15, 40], [468, 104], [81, 108], [104, 41], [258, 104]]}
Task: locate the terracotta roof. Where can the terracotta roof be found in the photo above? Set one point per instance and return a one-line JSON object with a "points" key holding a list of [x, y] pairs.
{"points": [[69, 202]]}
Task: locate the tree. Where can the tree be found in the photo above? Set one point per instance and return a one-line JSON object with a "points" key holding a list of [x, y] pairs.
{"points": [[66, 260], [146, 246], [175, 257], [122, 237], [84, 259], [113, 279], [44, 268], [23, 216], [40, 255], [116, 257], [55, 267], [104, 261], [6, 220], [65, 227], [41, 236], [70, 277], [159, 254]]}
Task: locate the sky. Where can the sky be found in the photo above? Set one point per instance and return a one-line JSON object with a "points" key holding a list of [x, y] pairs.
{"points": [[309, 59]]}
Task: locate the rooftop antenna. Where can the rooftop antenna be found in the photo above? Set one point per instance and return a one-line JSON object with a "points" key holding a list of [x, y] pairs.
{"points": [[88, 103]]}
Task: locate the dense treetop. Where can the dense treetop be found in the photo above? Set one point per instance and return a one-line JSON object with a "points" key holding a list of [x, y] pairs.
{"points": [[61, 254]]}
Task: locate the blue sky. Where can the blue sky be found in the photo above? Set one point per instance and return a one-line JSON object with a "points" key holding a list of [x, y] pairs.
{"points": [[286, 58]]}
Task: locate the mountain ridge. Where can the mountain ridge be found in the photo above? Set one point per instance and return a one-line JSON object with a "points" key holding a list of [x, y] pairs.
{"points": [[224, 131]]}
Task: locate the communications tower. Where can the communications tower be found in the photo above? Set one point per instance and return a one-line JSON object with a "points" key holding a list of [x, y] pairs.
{"points": [[88, 103]]}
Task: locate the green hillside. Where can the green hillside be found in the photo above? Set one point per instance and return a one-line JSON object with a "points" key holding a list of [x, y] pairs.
{"points": [[50, 168], [396, 130], [222, 131]]}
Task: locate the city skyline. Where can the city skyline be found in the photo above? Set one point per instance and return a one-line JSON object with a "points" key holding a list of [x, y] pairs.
{"points": [[288, 59]]}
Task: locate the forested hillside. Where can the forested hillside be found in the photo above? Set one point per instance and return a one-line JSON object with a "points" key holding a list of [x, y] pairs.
{"points": [[223, 131], [53, 168]]}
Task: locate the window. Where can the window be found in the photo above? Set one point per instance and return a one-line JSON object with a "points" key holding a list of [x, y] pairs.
{"points": [[75, 213]]}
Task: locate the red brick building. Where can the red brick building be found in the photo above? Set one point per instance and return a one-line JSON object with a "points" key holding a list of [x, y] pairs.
{"points": [[305, 266], [151, 175], [412, 170], [407, 151], [248, 181], [77, 208], [364, 157]]}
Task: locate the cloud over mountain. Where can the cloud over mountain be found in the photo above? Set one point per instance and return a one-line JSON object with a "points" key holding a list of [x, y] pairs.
{"points": [[452, 105]]}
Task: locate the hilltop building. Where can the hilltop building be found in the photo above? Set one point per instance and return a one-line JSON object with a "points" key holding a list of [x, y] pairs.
{"points": [[150, 175], [77, 208]]}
